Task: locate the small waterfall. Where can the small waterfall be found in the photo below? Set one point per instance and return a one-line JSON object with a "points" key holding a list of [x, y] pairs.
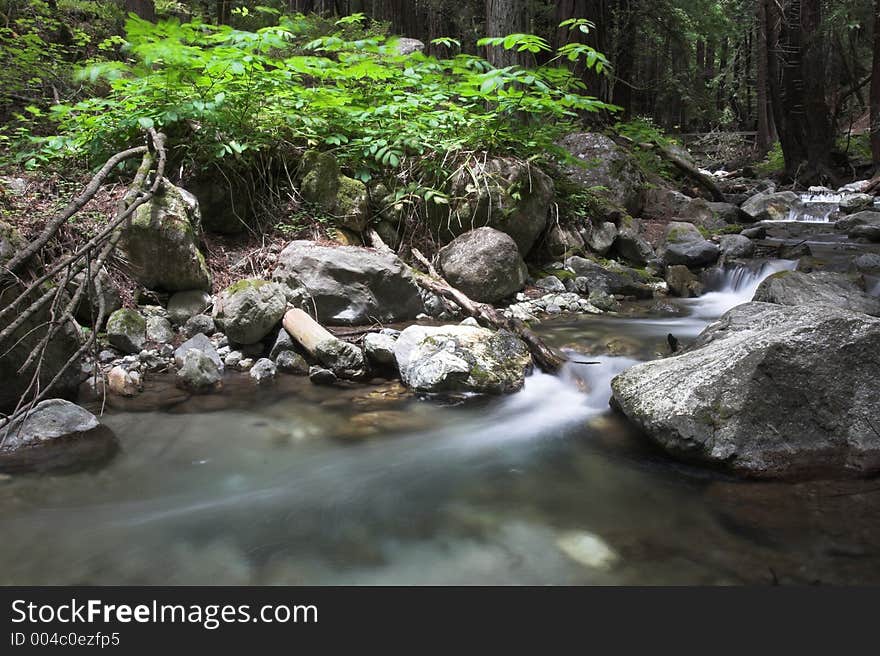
{"points": [[735, 285]]}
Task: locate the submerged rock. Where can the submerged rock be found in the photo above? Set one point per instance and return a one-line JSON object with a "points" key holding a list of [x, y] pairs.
{"points": [[766, 391], [348, 285], [55, 435], [818, 288], [485, 264], [454, 359], [248, 310]]}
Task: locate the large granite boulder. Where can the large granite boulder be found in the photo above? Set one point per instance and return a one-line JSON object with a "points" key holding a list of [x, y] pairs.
{"points": [[55, 435], [249, 309], [608, 166], [161, 242], [817, 288], [21, 342], [507, 194], [736, 246], [485, 264], [766, 391], [684, 244], [462, 358], [602, 237], [348, 285], [344, 199], [773, 206]]}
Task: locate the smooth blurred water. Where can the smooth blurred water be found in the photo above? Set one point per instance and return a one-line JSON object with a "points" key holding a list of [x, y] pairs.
{"points": [[298, 484]]}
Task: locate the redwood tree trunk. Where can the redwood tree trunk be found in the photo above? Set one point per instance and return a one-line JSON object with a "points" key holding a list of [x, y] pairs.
{"points": [[505, 17], [875, 89]]}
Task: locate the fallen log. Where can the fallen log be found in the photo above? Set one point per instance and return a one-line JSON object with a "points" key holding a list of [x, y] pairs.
{"points": [[547, 358], [305, 330], [343, 358]]}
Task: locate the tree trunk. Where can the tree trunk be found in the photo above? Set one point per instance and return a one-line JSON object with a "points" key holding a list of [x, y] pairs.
{"points": [[875, 89], [145, 9], [504, 17], [765, 136]]}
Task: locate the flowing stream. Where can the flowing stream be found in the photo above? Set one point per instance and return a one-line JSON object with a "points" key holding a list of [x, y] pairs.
{"points": [[300, 484]]}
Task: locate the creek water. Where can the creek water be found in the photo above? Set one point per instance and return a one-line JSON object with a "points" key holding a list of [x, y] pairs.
{"points": [[298, 484]]}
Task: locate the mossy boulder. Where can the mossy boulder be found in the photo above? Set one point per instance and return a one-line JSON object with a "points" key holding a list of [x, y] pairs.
{"points": [[161, 242], [345, 199], [248, 310], [502, 193], [127, 330], [685, 244]]}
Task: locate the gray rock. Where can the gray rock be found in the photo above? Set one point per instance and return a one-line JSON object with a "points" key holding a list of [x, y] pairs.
{"points": [[199, 323], [55, 435], [818, 288], [757, 232], [867, 263], [407, 46], [602, 237], [321, 376], [683, 244], [344, 359], [291, 362], [863, 225], [736, 246], [485, 264], [682, 282], [186, 304], [199, 372], [852, 203], [606, 165], [263, 371], [348, 285], [127, 330], [283, 342], [233, 359], [603, 301], [550, 284], [161, 242], [49, 420], [379, 349], [248, 310], [199, 343], [512, 196], [159, 330], [670, 204], [774, 206], [630, 244], [561, 241], [760, 395], [456, 359], [730, 213], [592, 276]]}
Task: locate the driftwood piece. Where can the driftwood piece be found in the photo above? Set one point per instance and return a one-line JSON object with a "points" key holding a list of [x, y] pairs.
{"points": [[548, 359], [305, 330]]}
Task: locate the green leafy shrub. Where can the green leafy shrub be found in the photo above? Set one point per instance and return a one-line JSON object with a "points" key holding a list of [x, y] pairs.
{"points": [[225, 93]]}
